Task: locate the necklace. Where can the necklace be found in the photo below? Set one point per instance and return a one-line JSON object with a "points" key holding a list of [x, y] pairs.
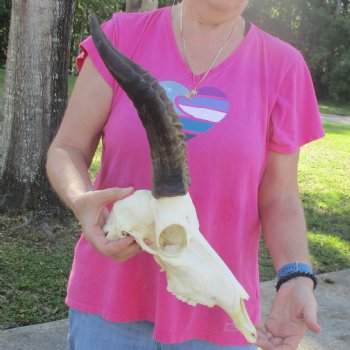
{"points": [[195, 89]]}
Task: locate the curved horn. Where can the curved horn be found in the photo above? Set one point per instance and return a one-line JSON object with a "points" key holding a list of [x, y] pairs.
{"points": [[157, 114]]}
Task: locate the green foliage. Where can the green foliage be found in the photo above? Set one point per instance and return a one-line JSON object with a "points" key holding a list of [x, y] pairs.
{"points": [[163, 3], [103, 11], [96, 162], [5, 14], [320, 30], [330, 107], [339, 78], [324, 40]]}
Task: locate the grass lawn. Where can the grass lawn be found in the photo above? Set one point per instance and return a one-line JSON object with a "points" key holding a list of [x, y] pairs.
{"points": [[334, 108], [325, 191], [33, 272]]}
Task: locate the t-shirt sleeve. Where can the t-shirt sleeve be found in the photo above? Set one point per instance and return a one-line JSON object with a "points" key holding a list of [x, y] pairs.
{"points": [[295, 118], [88, 48]]}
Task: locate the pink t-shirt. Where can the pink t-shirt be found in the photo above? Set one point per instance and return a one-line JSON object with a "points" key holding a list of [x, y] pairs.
{"points": [[260, 98]]}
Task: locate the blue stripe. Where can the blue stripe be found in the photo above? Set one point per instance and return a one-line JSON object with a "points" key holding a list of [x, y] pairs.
{"points": [[193, 125], [189, 136], [205, 102]]}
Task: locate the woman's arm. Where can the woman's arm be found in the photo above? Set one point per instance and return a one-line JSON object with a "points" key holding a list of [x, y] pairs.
{"points": [[72, 150], [284, 229], [70, 155], [281, 213]]}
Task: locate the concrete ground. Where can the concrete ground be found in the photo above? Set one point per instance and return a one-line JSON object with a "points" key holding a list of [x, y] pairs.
{"points": [[333, 297], [334, 316], [336, 119]]}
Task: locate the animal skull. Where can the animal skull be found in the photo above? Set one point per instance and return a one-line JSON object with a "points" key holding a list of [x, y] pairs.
{"points": [[193, 269], [167, 216]]}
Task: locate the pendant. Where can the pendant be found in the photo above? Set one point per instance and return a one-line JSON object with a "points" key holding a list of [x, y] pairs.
{"points": [[192, 93]]}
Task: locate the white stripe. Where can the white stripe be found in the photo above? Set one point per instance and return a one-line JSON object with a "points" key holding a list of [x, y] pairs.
{"points": [[203, 113]]}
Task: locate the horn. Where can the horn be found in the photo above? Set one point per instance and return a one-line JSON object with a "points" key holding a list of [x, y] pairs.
{"points": [[157, 114]]}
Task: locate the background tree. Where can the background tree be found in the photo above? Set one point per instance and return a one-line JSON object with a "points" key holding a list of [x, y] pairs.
{"points": [[85, 7], [148, 5], [133, 5], [162, 3], [103, 10], [320, 29], [141, 5], [35, 96]]}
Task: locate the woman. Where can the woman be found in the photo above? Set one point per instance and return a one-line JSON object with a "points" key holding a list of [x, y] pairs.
{"points": [[247, 104]]}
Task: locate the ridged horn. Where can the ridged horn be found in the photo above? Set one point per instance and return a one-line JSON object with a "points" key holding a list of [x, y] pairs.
{"points": [[157, 114]]}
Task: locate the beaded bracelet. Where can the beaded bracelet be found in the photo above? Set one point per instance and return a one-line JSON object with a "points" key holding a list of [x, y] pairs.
{"points": [[286, 278]]}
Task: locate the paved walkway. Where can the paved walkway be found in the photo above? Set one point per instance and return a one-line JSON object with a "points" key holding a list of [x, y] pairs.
{"points": [[334, 316], [333, 297], [336, 119]]}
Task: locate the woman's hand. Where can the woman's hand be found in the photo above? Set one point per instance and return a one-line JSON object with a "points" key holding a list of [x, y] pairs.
{"points": [[90, 209], [293, 311]]}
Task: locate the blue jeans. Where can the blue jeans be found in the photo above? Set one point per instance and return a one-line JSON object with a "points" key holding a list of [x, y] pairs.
{"points": [[92, 332]]}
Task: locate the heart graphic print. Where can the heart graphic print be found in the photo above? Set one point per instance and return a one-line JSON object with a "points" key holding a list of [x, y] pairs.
{"points": [[199, 113]]}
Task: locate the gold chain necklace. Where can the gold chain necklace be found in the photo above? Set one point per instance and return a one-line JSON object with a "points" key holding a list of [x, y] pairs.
{"points": [[195, 89]]}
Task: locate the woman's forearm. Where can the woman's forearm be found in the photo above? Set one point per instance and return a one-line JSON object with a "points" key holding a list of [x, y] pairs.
{"points": [[284, 230], [72, 150], [68, 173]]}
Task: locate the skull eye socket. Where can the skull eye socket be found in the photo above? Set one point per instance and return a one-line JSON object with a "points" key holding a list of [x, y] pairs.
{"points": [[172, 240]]}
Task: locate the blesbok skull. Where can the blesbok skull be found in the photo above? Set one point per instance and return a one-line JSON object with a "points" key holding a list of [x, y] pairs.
{"points": [[193, 269], [166, 216]]}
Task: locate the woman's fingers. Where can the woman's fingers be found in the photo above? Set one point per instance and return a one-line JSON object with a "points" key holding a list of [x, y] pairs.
{"points": [[310, 318], [120, 250], [111, 195], [92, 214]]}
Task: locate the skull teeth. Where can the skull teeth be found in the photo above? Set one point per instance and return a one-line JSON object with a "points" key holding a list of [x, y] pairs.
{"points": [[182, 298]]}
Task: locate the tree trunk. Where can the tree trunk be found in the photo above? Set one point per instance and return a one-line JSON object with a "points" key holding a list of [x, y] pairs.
{"points": [[35, 97], [338, 8], [141, 5], [149, 5], [82, 27], [133, 5]]}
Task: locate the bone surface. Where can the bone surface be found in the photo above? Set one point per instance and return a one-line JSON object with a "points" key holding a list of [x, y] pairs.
{"points": [[193, 269]]}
